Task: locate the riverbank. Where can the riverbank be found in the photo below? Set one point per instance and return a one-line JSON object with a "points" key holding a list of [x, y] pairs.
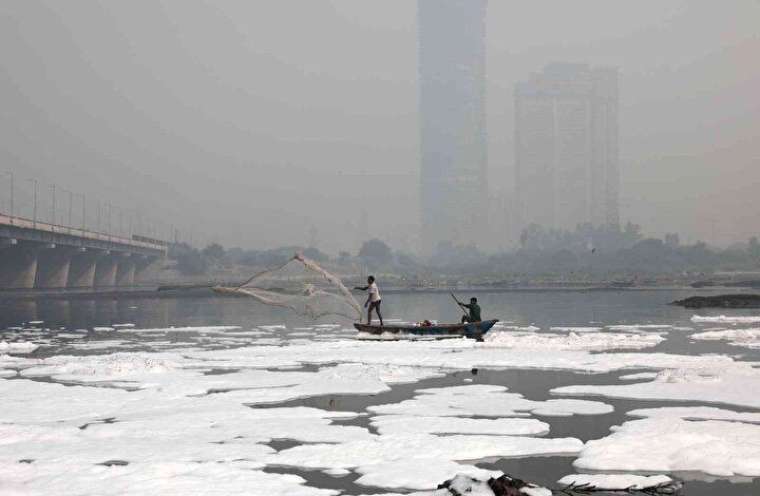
{"points": [[201, 290]]}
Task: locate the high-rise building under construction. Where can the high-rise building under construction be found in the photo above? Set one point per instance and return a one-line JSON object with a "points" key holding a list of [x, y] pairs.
{"points": [[566, 147], [453, 147]]}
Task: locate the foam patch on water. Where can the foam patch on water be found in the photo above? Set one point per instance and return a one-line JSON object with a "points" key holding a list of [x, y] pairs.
{"points": [[536, 491], [591, 341], [352, 379], [30, 402], [272, 327], [748, 338], [197, 329], [95, 368], [268, 341], [62, 429], [639, 376], [616, 482], [422, 474], [404, 424], [421, 441], [697, 413], [23, 347], [508, 327], [670, 444], [236, 478], [251, 333], [723, 319], [639, 327], [66, 430], [728, 384], [176, 374], [576, 329], [417, 461], [457, 354], [485, 401]]}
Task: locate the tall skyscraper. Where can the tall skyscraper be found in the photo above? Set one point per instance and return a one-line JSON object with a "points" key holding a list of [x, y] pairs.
{"points": [[453, 154], [566, 147]]}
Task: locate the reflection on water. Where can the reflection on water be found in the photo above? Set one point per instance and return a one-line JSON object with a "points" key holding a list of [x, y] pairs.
{"points": [[541, 308]]}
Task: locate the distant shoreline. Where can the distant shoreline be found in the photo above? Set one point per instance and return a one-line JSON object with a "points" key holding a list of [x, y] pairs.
{"points": [[206, 292]]}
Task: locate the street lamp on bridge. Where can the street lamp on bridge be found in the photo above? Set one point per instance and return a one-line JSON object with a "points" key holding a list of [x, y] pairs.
{"points": [[34, 214], [10, 175]]}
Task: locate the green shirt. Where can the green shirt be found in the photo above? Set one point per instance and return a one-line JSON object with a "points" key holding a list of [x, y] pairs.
{"points": [[474, 309]]}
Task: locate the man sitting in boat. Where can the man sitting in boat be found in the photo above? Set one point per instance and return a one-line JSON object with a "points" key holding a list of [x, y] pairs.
{"points": [[474, 310], [373, 299]]}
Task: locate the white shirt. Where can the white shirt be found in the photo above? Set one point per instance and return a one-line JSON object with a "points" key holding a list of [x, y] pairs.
{"points": [[374, 293]]}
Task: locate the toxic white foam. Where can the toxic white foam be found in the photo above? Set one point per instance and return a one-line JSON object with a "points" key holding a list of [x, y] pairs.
{"points": [[748, 338], [198, 329], [728, 385], [572, 342], [671, 444], [723, 319], [485, 401], [697, 413], [22, 347], [407, 424], [407, 460], [639, 327], [576, 329]]}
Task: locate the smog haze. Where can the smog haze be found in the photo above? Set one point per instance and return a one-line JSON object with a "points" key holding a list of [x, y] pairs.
{"points": [[260, 124]]}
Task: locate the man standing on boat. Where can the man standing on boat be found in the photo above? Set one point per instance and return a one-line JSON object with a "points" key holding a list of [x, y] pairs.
{"points": [[474, 310], [373, 299]]}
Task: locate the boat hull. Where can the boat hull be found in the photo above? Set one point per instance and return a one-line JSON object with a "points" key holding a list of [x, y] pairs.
{"points": [[474, 330]]}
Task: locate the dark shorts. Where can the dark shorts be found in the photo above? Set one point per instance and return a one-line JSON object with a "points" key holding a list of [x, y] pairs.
{"points": [[375, 304]]}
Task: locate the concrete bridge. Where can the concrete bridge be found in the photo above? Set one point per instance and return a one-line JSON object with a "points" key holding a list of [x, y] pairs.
{"points": [[37, 255]]}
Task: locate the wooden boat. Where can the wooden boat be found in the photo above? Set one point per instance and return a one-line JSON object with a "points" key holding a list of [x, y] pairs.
{"points": [[474, 330]]}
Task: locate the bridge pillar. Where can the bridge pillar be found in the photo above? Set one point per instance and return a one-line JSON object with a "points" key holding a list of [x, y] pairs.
{"points": [[125, 271], [105, 270], [144, 266], [18, 266], [53, 264], [82, 270]]}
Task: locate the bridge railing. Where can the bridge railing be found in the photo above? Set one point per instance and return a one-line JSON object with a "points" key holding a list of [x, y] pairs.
{"points": [[23, 223], [64, 211]]}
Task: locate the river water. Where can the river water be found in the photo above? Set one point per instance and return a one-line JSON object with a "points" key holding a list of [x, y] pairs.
{"points": [[99, 319]]}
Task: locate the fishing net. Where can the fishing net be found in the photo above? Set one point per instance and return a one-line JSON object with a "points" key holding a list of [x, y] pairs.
{"points": [[302, 286]]}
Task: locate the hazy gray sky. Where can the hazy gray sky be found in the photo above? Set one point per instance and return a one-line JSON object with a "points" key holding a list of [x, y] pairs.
{"points": [[253, 121]]}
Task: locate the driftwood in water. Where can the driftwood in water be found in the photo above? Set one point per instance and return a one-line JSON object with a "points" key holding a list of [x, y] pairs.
{"points": [[721, 301], [673, 488]]}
